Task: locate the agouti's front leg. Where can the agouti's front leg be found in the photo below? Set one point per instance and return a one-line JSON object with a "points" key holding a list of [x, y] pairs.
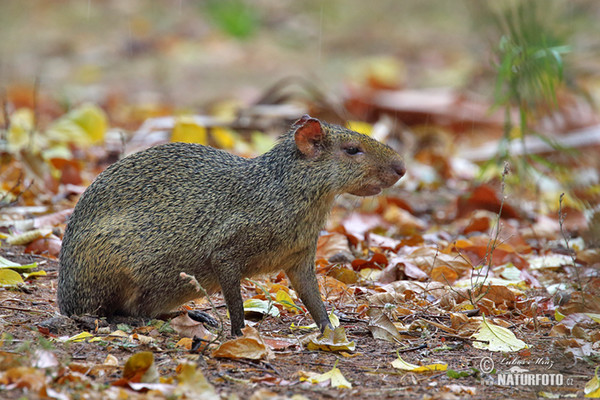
{"points": [[230, 280], [304, 281]]}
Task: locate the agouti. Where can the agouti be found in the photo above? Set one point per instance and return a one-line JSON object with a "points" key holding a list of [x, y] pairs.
{"points": [[189, 208]]}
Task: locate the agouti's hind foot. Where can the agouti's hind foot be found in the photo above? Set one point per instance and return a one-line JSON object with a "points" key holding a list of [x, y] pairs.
{"points": [[203, 317]]}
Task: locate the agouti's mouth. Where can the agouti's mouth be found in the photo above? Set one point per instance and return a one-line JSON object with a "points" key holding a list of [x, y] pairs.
{"points": [[370, 190]]}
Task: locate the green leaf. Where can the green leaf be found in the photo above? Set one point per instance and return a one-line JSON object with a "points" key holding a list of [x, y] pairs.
{"points": [[458, 374]]}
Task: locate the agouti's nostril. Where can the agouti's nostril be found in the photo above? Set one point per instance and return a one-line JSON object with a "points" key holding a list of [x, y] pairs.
{"points": [[399, 168]]}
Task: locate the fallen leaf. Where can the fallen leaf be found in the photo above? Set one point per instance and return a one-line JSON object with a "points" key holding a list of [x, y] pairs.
{"points": [[499, 338], [332, 340], [250, 346], [592, 387], [8, 278], [332, 244], [187, 327], [283, 298], [399, 363], [140, 368], [334, 375], [84, 126], [381, 327], [33, 379], [192, 384], [28, 237], [263, 307]]}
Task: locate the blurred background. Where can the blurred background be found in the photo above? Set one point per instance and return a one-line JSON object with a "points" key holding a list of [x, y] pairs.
{"points": [[187, 53], [458, 86]]}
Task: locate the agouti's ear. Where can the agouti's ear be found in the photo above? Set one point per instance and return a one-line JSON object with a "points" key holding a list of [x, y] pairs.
{"points": [[309, 136]]}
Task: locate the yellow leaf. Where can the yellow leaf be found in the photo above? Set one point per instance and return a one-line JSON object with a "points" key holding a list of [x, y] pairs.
{"points": [[186, 130], [399, 363], [80, 337], [335, 340], [361, 127], [141, 365], [84, 126], [499, 338], [21, 125], [185, 343], [558, 315], [34, 274], [193, 385], [283, 298], [29, 236], [592, 388], [8, 277], [335, 376], [223, 137], [595, 317]]}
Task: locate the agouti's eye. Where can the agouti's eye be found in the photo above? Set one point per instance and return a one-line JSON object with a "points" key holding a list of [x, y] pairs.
{"points": [[352, 150]]}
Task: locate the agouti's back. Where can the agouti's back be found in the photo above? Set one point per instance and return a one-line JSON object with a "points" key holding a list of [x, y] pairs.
{"points": [[219, 217]]}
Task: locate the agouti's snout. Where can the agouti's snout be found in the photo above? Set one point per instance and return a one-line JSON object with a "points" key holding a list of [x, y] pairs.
{"points": [[399, 168]]}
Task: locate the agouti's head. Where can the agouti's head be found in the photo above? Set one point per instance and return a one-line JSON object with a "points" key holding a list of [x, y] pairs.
{"points": [[359, 164]]}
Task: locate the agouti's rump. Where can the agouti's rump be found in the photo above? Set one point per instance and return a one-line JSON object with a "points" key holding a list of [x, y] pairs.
{"points": [[213, 215]]}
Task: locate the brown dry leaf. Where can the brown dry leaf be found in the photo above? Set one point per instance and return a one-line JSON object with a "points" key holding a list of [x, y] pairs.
{"points": [[332, 340], [381, 327], [395, 291], [334, 288], [279, 343], [343, 274], [407, 223], [250, 346], [187, 327], [479, 222], [383, 242], [581, 303], [33, 379], [444, 274], [359, 224], [478, 250], [400, 267], [577, 325], [427, 258], [579, 348], [484, 197], [500, 295], [140, 367], [332, 244], [377, 260], [49, 247], [460, 389], [70, 170]]}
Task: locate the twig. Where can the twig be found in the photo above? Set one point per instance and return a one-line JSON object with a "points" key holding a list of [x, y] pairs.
{"points": [[561, 220]]}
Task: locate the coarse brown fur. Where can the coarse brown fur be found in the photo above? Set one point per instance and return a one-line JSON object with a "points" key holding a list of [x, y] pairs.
{"points": [[219, 217]]}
